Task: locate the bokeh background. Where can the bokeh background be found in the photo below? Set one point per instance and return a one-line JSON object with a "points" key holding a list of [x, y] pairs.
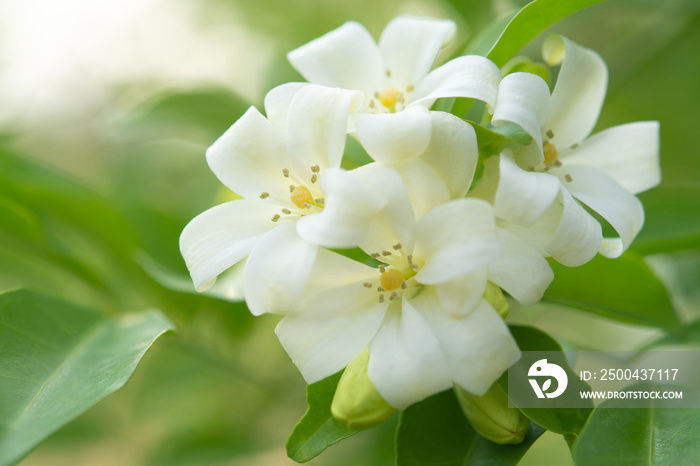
{"points": [[106, 109]]}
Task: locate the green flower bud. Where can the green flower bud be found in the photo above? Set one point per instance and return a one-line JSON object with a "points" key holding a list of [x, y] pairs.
{"points": [[491, 416], [356, 402], [494, 296]]}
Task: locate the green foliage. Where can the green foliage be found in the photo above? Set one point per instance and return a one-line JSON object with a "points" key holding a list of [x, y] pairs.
{"points": [[57, 360], [493, 140], [623, 289], [553, 417], [435, 432], [650, 436], [318, 429], [501, 41]]}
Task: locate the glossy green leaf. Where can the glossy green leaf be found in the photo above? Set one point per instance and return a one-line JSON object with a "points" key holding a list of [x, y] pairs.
{"points": [[672, 222], [493, 140], [435, 432], [650, 436], [318, 429], [502, 41], [57, 360], [623, 289], [554, 417]]}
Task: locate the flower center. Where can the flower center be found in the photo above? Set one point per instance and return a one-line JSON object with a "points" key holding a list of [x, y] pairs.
{"points": [[550, 153], [391, 279], [301, 196], [389, 97]]}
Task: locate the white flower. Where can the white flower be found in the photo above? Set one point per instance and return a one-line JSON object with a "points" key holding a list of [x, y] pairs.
{"points": [[395, 76], [422, 314], [603, 171], [275, 166]]}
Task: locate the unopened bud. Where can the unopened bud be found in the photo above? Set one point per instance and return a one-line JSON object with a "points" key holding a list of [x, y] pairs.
{"points": [[356, 402], [491, 416], [494, 296]]}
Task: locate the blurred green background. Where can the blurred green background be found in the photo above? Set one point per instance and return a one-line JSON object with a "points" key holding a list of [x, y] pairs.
{"points": [[106, 109]]}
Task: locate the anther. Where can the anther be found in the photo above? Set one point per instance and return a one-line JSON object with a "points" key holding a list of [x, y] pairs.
{"points": [[403, 286], [414, 266], [374, 255], [307, 205], [285, 172], [397, 246], [380, 289], [410, 88], [386, 253], [574, 146], [367, 285], [382, 269], [557, 163], [550, 134], [381, 298], [315, 169], [409, 258], [286, 211], [264, 195], [393, 296], [275, 218], [388, 73], [371, 103], [320, 201], [568, 178], [291, 188], [314, 177]]}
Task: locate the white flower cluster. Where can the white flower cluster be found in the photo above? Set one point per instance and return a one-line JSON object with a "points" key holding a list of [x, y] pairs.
{"points": [[435, 244]]}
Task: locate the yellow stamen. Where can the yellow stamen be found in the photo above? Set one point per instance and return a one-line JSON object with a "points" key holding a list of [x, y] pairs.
{"points": [[389, 96], [550, 153], [391, 279], [300, 196]]}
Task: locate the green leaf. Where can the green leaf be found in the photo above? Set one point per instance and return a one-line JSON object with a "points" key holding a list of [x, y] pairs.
{"points": [[505, 37], [57, 360], [494, 139], [318, 429], [689, 333], [671, 221], [554, 418], [623, 289], [435, 432], [644, 436]]}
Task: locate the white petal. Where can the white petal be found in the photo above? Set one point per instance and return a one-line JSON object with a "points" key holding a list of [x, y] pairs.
{"points": [[334, 327], [522, 271], [522, 196], [278, 270], [475, 346], [454, 239], [277, 103], [249, 156], [428, 188], [459, 296], [523, 99], [409, 46], [317, 129], [346, 57], [578, 235], [349, 208], [391, 137], [332, 270], [452, 152], [469, 76], [406, 363], [616, 205], [628, 153], [579, 93], [223, 235]]}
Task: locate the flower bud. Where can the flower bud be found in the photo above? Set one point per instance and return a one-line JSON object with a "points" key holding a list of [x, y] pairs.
{"points": [[356, 402], [494, 296], [491, 416]]}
